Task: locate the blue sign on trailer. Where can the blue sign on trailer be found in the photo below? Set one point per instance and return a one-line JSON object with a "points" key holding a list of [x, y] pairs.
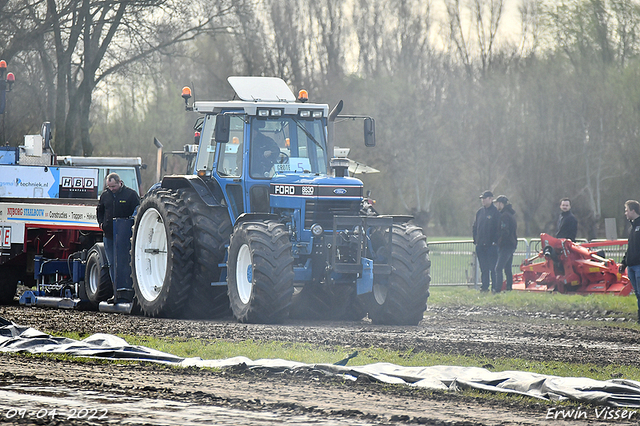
{"points": [[18, 181]]}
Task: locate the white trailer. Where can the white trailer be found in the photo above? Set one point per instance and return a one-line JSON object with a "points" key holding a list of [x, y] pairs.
{"points": [[48, 221]]}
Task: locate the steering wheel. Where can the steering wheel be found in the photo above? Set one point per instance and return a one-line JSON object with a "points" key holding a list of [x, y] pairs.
{"points": [[283, 158]]}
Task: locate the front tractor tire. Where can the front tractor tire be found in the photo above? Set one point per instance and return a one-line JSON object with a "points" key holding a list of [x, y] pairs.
{"points": [[162, 254], [260, 272], [97, 281], [402, 299]]}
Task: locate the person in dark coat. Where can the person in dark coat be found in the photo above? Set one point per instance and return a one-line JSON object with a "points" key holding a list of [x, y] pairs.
{"points": [[507, 242], [116, 201], [567, 222], [631, 259], [485, 236], [265, 152]]}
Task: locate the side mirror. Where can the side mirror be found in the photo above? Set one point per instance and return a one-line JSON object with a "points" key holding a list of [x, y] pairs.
{"points": [[369, 132], [223, 122], [198, 124], [45, 132]]}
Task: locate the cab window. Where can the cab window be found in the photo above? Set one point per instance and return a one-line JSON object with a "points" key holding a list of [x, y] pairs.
{"points": [[230, 161], [207, 149]]}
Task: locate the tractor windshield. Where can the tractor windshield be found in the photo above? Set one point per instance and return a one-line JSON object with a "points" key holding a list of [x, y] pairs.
{"points": [[287, 144]]}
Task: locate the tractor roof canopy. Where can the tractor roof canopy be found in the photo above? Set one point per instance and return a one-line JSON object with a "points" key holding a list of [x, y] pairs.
{"points": [[259, 92]]}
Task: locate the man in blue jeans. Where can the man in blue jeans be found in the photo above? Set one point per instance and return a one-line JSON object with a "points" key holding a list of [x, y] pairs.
{"points": [[116, 201], [485, 236], [631, 259], [507, 243]]}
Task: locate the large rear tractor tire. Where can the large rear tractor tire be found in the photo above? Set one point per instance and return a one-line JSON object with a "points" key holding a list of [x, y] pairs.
{"points": [[162, 254], [402, 299], [211, 231], [97, 281], [260, 272]]}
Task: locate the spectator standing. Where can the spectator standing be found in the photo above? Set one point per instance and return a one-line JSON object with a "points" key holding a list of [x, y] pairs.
{"points": [[567, 222], [631, 259], [485, 235], [116, 201], [507, 243]]}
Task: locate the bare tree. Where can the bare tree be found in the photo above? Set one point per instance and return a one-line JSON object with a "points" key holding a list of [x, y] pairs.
{"points": [[529, 11], [457, 34], [21, 22], [329, 45], [81, 42], [627, 29]]}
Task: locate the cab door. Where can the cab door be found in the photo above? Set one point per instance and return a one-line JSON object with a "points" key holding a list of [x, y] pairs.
{"points": [[256, 180], [229, 167]]}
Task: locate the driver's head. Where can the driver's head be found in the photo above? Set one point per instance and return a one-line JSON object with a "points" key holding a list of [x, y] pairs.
{"points": [[260, 124]]}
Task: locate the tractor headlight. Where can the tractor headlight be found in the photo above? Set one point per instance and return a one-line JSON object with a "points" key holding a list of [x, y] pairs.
{"points": [[270, 112], [310, 113], [316, 229]]}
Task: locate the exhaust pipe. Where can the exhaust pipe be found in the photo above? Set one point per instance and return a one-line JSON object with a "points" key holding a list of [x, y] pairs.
{"points": [[158, 145]]}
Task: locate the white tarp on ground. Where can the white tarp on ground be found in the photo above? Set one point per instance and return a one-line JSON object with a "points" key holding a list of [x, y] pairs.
{"points": [[616, 392]]}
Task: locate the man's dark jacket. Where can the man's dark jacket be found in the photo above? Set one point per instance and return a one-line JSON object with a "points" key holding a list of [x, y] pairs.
{"points": [[486, 226], [567, 226], [259, 163], [632, 257], [113, 205], [507, 237]]}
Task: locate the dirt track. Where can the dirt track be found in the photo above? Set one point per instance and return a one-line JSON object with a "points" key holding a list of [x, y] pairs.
{"points": [[147, 394]]}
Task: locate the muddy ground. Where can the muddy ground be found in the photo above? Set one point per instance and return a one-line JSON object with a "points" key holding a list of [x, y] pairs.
{"points": [[152, 394]]}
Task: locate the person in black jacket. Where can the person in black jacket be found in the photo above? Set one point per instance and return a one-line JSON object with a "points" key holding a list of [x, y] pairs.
{"points": [[265, 152], [507, 243], [485, 235], [116, 201], [631, 259], [567, 222]]}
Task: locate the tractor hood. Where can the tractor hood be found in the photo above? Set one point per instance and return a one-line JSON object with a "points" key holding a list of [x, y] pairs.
{"points": [[310, 185]]}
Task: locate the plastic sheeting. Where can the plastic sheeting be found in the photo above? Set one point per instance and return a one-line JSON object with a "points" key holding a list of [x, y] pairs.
{"points": [[616, 392]]}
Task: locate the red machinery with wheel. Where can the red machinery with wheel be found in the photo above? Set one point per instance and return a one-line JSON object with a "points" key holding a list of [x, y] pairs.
{"points": [[567, 267]]}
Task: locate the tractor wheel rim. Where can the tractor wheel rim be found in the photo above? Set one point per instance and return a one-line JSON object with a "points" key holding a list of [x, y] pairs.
{"points": [[380, 293], [244, 274], [151, 254], [94, 277]]}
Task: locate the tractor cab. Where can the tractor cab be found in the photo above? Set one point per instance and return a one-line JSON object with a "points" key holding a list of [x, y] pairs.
{"points": [[268, 133]]}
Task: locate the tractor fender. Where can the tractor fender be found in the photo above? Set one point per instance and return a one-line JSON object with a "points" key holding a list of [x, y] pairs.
{"points": [[399, 218], [208, 189], [256, 217]]}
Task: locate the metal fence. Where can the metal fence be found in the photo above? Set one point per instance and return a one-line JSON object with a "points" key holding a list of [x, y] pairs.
{"points": [[453, 263]]}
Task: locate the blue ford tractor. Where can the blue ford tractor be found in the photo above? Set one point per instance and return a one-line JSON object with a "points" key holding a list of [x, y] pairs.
{"points": [[269, 227]]}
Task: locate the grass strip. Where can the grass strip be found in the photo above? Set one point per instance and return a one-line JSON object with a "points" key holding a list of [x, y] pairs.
{"points": [[314, 354], [455, 297]]}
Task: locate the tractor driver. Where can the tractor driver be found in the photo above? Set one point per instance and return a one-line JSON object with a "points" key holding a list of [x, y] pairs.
{"points": [[264, 151]]}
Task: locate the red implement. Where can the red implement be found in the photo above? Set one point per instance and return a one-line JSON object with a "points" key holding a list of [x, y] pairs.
{"points": [[567, 267]]}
